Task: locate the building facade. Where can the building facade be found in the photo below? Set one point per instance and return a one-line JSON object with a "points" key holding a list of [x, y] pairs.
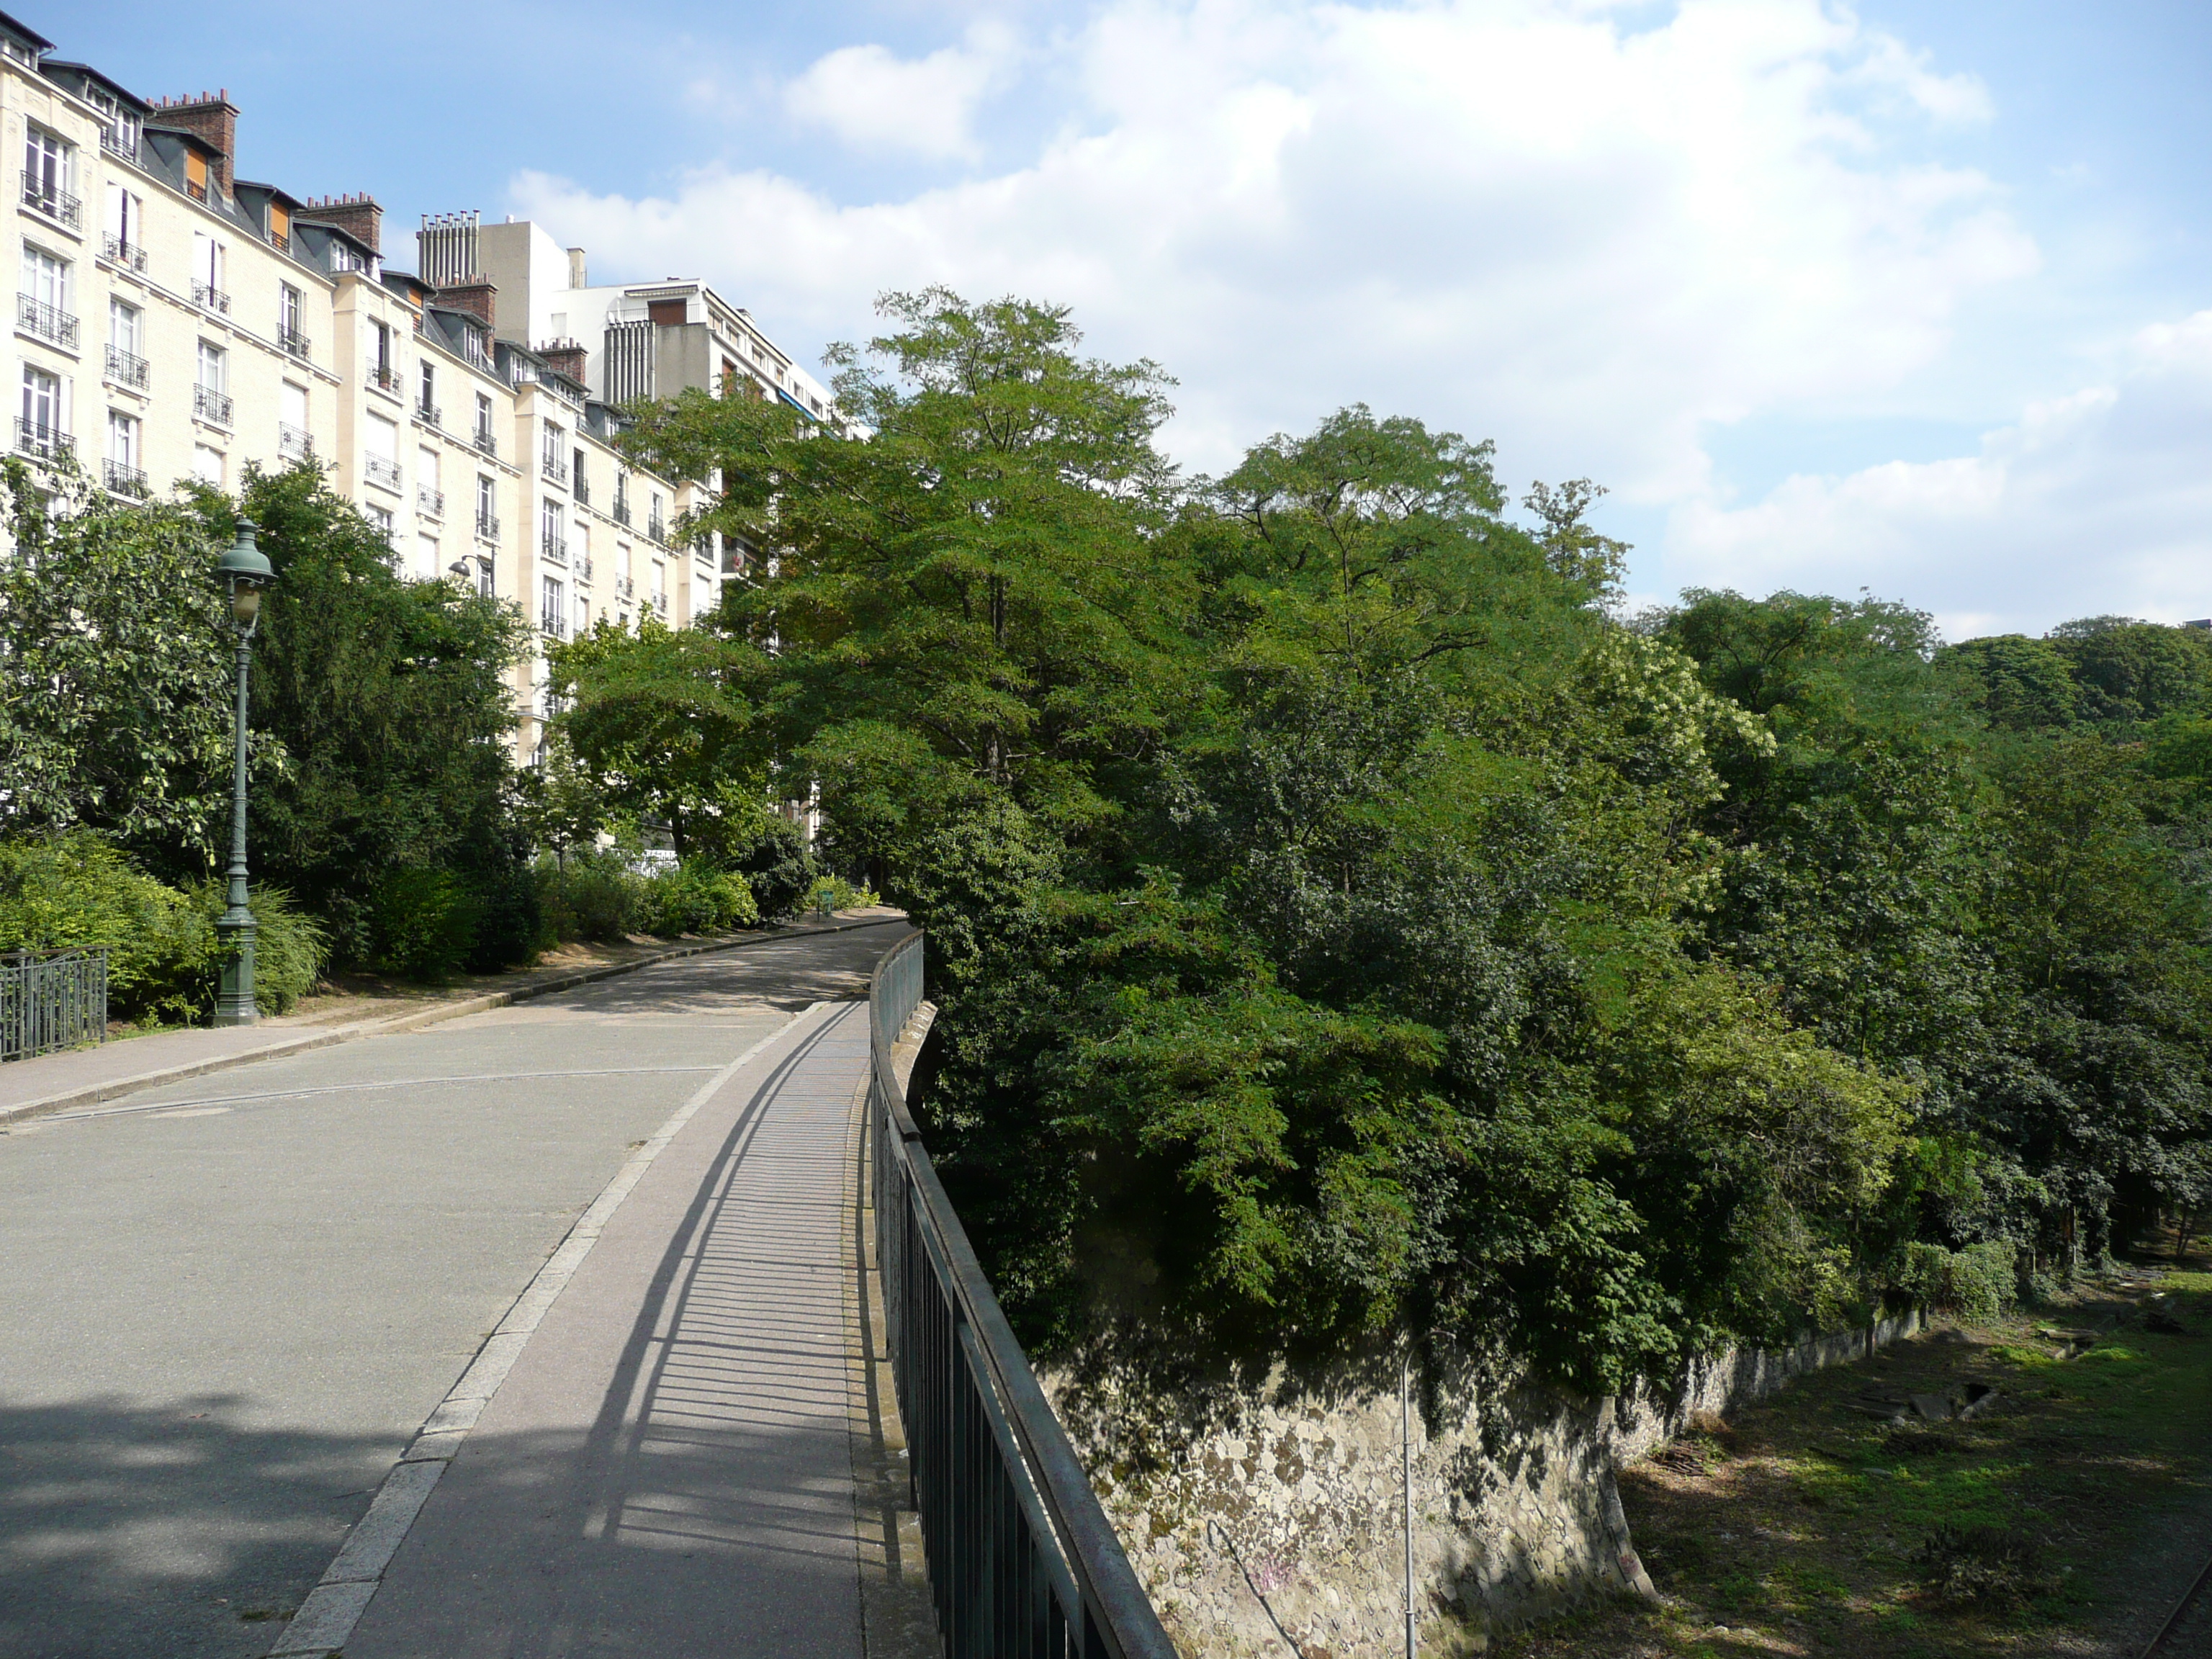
{"points": [[175, 321]]}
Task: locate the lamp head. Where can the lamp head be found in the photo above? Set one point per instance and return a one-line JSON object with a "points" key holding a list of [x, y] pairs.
{"points": [[244, 570]]}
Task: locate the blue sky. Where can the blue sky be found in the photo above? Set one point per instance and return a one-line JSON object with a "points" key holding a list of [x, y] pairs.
{"points": [[1914, 298]]}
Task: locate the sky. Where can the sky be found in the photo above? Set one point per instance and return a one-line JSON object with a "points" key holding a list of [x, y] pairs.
{"points": [[1914, 298]]}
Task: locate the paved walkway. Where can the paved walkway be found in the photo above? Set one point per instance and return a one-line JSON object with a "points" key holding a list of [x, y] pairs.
{"points": [[603, 1245]]}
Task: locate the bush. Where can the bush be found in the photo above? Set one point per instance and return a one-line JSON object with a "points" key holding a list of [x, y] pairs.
{"points": [[1976, 1283], [693, 898], [781, 869], [589, 895], [423, 924], [835, 893], [288, 947], [512, 928], [1986, 1566], [76, 891]]}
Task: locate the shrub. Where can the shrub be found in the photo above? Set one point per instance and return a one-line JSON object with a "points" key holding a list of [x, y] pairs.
{"points": [[781, 869], [289, 947], [1987, 1566], [590, 896], [512, 928], [835, 893], [1978, 1284], [694, 898], [76, 891], [423, 924]]}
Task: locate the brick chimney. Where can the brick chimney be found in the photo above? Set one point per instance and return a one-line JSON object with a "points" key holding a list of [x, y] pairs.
{"points": [[359, 217], [568, 358], [478, 296], [213, 121]]}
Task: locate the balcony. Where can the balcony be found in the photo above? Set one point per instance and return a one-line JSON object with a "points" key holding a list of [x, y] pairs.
{"points": [[48, 322], [208, 404], [583, 566], [660, 603], [625, 587], [384, 474], [56, 203], [553, 548], [117, 252], [125, 480], [42, 442], [485, 443], [295, 441], [556, 469], [553, 623], [117, 143], [656, 532], [280, 241], [210, 299], [125, 369], [385, 379], [622, 510], [426, 413], [583, 489], [429, 502], [488, 526], [294, 343]]}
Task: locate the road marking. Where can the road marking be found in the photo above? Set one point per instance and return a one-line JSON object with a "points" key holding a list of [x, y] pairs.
{"points": [[326, 1619], [345, 1088]]}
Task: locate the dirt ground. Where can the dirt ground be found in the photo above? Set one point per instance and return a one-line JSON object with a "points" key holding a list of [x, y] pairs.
{"points": [[2065, 1515]]}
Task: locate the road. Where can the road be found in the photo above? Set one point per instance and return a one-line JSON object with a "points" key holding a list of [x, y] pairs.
{"points": [[229, 1303]]}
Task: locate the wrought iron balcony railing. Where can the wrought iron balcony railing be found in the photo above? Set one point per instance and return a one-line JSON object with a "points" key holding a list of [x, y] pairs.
{"points": [[657, 531], [124, 480], [553, 547], [385, 379], [625, 587], [553, 623], [485, 443], [48, 322], [52, 200], [583, 489], [384, 474], [488, 526], [126, 368], [42, 442], [582, 566], [292, 341], [211, 405], [210, 299], [426, 413], [556, 469], [116, 144], [660, 603], [430, 503], [294, 441], [622, 510], [117, 252]]}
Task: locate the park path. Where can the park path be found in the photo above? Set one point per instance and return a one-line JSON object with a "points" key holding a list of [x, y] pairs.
{"points": [[232, 1304]]}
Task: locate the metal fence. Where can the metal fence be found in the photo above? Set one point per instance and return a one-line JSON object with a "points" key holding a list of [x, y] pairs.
{"points": [[1022, 1561], [51, 999]]}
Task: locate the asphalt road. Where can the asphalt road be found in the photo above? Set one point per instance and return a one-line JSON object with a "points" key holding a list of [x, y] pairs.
{"points": [[227, 1303]]}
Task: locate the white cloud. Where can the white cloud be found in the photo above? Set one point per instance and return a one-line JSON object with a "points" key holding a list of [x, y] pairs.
{"points": [[2096, 502], [1516, 218], [874, 101]]}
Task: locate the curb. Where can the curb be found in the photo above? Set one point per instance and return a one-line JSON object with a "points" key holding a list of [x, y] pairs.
{"points": [[395, 1024]]}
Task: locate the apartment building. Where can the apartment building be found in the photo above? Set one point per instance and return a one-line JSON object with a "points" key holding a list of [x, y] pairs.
{"points": [[175, 321]]}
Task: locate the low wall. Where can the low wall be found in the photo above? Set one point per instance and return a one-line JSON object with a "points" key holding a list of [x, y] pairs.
{"points": [[1265, 1519]]}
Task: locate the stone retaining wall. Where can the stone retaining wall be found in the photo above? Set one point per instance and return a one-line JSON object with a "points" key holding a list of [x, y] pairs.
{"points": [[1267, 1520]]}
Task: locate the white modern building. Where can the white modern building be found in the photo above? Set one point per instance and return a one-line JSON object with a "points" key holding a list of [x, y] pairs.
{"points": [[175, 321]]}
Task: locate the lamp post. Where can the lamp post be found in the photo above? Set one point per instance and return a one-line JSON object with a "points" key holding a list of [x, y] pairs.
{"points": [[242, 571]]}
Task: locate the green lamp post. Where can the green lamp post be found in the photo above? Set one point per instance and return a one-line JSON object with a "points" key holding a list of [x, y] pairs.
{"points": [[242, 571]]}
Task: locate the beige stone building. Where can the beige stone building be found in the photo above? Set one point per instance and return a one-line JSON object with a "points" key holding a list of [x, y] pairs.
{"points": [[175, 321]]}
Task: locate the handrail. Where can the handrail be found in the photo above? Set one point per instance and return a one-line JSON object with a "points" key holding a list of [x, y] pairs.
{"points": [[1022, 1562], [51, 999]]}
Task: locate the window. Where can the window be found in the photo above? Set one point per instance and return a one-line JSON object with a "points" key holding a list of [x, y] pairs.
{"points": [[288, 335], [381, 371], [556, 462], [43, 427], [428, 497], [582, 487], [426, 557], [196, 175], [207, 264], [47, 173], [379, 518], [211, 390], [483, 578], [123, 439], [427, 399], [120, 132], [126, 339], [43, 306], [487, 508], [127, 227], [552, 541], [552, 606], [483, 417], [380, 452], [292, 438], [207, 465], [280, 226]]}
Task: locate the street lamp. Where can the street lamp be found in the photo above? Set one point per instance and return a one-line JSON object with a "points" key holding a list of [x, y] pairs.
{"points": [[242, 571]]}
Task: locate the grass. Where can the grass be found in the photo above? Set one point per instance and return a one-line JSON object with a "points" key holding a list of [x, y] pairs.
{"points": [[1805, 1528]]}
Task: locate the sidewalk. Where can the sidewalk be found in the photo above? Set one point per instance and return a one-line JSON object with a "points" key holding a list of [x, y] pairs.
{"points": [[665, 1463], [81, 1076]]}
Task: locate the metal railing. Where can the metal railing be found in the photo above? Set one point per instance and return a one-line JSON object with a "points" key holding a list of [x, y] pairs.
{"points": [[553, 547], [292, 341], [211, 405], [48, 322], [429, 502], [51, 999], [426, 413], [486, 444], [52, 201], [125, 480], [386, 380], [581, 564], [43, 442], [622, 510], [295, 442], [126, 368], [657, 530], [555, 469], [488, 526], [121, 253], [210, 299], [384, 474], [1022, 1562], [116, 143]]}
